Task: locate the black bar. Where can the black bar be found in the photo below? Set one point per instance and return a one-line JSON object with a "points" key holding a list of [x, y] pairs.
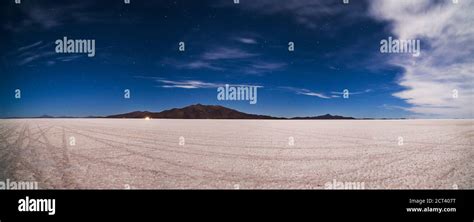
{"points": [[292, 204]]}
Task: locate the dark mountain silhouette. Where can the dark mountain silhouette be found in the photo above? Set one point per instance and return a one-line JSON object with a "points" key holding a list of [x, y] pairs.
{"points": [[197, 111], [327, 116], [136, 114], [200, 111]]}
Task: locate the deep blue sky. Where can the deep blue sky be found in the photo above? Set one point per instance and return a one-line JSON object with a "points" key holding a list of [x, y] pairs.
{"points": [[137, 48]]}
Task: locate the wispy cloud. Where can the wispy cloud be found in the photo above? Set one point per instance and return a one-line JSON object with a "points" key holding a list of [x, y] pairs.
{"points": [[33, 57], [392, 107], [268, 65], [302, 11], [227, 53], [198, 64], [40, 52], [209, 60], [192, 65], [259, 68], [352, 93], [68, 58], [26, 47], [246, 40], [444, 66], [333, 94], [305, 92], [46, 15], [189, 84], [216, 60]]}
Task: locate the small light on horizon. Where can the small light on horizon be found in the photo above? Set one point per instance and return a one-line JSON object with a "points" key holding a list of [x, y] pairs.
{"points": [[147, 118]]}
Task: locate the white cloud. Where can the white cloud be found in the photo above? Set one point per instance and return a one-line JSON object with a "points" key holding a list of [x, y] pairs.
{"points": [[352, 93], [306, 92], [246, 40], [227, 53], [187, 84], [260, 68], [199, 65], [446, 63], [212, 60], [39, 52], [268, 65]]}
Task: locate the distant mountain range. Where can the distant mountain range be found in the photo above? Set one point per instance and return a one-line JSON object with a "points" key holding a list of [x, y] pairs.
{"points": [[200, 111], [197, 111], [327, 116]]}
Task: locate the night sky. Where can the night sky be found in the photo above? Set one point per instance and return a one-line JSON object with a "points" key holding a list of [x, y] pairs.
{"points": [[336, 48]]}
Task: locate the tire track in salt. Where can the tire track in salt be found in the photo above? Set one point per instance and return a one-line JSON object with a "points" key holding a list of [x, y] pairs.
{"points": [[212, 154], [60, 159], [216, 175], [15, 159]]}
